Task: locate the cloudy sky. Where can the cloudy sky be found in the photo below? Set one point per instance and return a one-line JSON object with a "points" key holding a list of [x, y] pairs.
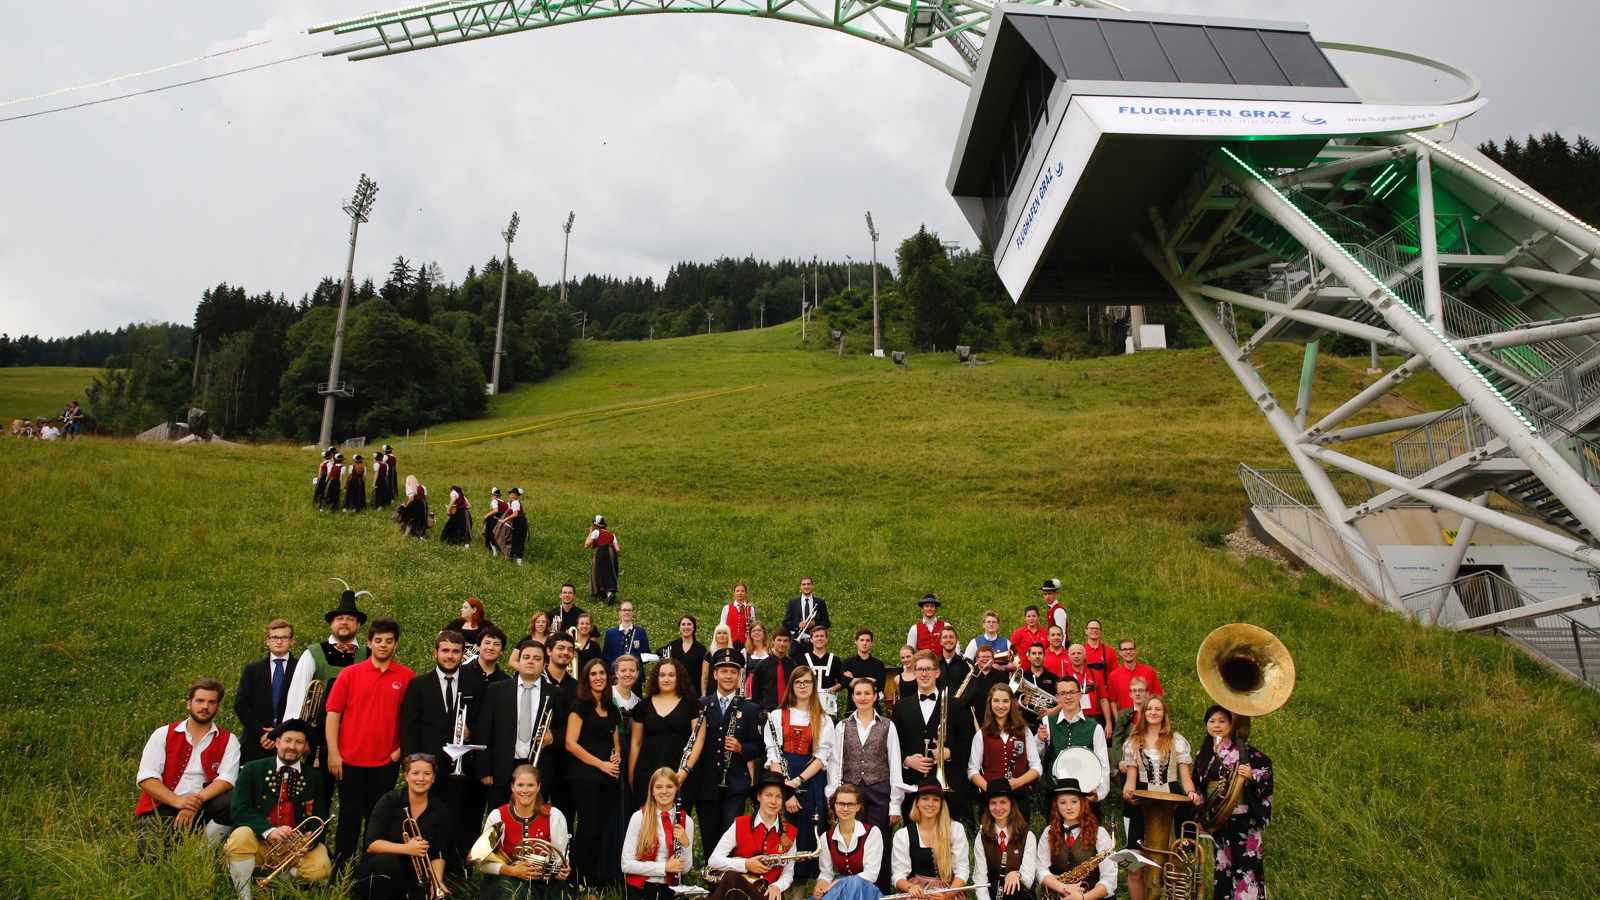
{"points": [[673, 137]]}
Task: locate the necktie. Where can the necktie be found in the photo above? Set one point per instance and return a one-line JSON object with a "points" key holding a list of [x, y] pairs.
{"points": [[450, 695], [669, 842], [277, 688], [780, 680], [724, 707], [525, 718], [1002, 838]]}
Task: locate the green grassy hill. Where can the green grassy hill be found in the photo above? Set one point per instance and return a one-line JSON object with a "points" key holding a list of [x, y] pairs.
{"points": [[41, 390], [1411, 763]]}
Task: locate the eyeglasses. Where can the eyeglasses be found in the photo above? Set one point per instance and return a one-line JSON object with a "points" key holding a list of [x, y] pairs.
{"points": [[845, 804]]}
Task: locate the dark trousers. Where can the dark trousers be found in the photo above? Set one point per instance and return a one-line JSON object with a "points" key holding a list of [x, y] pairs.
{"points": [[385, 876], [716, 812], [500, 887], [597, 832], [875, 812], [359, 791], [455, 793], [151, 830]]}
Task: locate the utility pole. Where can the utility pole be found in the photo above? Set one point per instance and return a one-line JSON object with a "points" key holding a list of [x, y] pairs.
{"points": [[802, 304], [583, 323], [510, 234], [849, 267], [708, 323], [872, 231], [763, 314], [358, 208], [565, 243], [816, 297]]}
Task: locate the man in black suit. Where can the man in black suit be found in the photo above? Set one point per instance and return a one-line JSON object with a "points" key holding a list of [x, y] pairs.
{"points": [[508, 718], [263, 687], [771, 675], [427, 723], [803, 612], [564, 615], [738, 744], [916, 723]]}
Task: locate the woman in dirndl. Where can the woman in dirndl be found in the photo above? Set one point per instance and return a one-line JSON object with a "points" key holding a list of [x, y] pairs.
{"points": [[799, 740]]}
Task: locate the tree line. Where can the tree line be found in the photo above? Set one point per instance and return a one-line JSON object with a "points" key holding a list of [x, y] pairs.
{"points": [[1566, 172]]}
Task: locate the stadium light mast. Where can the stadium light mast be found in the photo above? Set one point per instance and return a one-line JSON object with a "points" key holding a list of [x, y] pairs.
{"points": [[358, 209], [510, 234], [566, 242], [872, 232], [849, 272]]}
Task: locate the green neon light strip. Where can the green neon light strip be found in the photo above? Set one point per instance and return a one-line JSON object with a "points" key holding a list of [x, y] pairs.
{"points": [[1377, 183], [1394, 186], [1421, 320]]}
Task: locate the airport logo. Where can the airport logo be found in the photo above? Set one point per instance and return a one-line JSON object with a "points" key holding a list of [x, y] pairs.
{"points": [[1309, 119], [1050, 176]]}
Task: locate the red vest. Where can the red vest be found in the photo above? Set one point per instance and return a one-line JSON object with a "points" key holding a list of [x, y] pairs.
{"points": [[796, 738], [637, 881], [1050, 619], [853, 862], [929, 640], [739, 619], [746, 843], [178, 751], [511, 832], [1004, 756]]}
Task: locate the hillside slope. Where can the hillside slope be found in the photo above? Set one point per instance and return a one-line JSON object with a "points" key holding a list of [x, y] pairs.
{"points": [[132, 568]]}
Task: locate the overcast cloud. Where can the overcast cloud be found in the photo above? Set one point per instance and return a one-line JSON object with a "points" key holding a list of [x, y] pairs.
{"points": [[673, 137]]}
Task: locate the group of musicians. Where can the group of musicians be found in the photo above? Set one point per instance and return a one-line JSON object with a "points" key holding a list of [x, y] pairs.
{"points": [[538, 770]]}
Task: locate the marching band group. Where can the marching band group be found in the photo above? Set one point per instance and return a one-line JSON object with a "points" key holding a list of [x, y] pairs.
{"points": [[561, 760]]}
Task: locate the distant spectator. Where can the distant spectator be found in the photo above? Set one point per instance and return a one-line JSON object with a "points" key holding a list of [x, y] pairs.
{"points": [[49, 432], [1127, 669], [72, 419]]}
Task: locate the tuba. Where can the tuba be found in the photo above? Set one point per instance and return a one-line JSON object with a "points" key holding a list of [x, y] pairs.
{"points": [[1249, 672]]}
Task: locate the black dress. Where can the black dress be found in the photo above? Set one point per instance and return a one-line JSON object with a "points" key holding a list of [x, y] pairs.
{"points": [[584, 654], [391, 876], [381, 497], [664, 738], [355, 488], [330, 491], [597, 800], [457, 526], [693, 659]]}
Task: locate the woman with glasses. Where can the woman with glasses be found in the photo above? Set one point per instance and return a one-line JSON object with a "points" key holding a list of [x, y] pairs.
{"points": [[799, 740]]}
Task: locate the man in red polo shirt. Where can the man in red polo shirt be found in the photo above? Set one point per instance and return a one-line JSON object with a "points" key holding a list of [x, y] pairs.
{"points": [[1029, 634], [364, 733], [1127, 669], [1056, 658]]}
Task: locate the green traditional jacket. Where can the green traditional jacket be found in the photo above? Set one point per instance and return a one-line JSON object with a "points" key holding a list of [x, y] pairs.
{"points": [[257, 792], [1064, 735]]}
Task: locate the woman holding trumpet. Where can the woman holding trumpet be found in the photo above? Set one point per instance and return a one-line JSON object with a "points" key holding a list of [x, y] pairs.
{"points": [[402, 832], [508, 875], [659, 846]]}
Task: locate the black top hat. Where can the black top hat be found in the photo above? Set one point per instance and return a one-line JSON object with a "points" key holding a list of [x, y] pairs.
{"points": [[295, 724], [1051, 585], [726, 658], [327, 453], [998, 787], [1071, 786], [770, 779], [387, 448], [338, 457], [930, 788], [358, 457], [928, 598], [517, 491], [494, 492], [600, 521], [347, 607]]}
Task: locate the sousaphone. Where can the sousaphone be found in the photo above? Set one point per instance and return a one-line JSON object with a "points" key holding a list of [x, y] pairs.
{"points": [[1249, 672]]}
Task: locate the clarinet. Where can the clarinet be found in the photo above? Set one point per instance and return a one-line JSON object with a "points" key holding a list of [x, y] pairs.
{"points": [[683, 761], [727, 755]]}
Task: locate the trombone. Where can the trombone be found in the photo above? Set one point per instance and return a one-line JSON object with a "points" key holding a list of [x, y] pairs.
{"points": [[286, 852]]}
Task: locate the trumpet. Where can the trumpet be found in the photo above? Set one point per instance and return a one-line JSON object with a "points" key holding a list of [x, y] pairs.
{"points": [[771, 860], [286, 852], [938, 744], [538, 733], [312, 706], [1030, 696], [426, 876]]}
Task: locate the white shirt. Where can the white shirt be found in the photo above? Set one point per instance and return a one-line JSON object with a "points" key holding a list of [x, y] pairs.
{"points": [[843, 732], [975, 760], [482, 848], [654, 869], [1102, 843], [1027, 870], [871, 855], [748, 620], [900, 856], [1153, 757], [615, 545], [922, 625], [722, 855], [153, 761], [1100, 753], [627, 704], [524, 749], [822, 736], [456, 682], [304, 671]]}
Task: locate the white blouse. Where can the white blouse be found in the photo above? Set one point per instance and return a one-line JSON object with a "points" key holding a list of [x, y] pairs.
{"points": [[980, 864], [654, 869], [822, 736], [482, 849], [900, 857], [975, 757], [844, 732], [722, 855], [1102, 844], [871, 856], [1153, 757]]}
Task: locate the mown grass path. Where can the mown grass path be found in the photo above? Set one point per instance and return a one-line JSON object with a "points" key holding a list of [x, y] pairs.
{"points": [[1411, 763]]}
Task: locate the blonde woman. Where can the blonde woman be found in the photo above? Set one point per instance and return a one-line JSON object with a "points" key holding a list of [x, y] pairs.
{"points": [[659, 845], [931, 852], [1155, 758], [721, 639]]}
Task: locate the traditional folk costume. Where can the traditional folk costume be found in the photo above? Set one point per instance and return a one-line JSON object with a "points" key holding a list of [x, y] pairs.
{"points": [[413, 513], [1156, 773], [391, 472], [606, 567], [1004, 756], [321, 481], [503, 830], [322, 662], [1001, 851], [185, 768], [511, 531], [1240, 860], [855, 866], [793, 740], [753, 836], [272, 794], [868, 756], [381, 495], [911, 861], [497, 508], [1074, 729], [457, 529], [647, 876], [355, 487], [1060, 853], [738, 617], [926, 633], [330, 490]]}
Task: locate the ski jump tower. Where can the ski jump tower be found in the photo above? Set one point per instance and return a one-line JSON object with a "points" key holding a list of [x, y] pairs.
{"points": [[1118, 158]]}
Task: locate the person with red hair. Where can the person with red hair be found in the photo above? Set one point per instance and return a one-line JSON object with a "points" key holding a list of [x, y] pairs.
{"points": [[472, 623], [1072, 837]]}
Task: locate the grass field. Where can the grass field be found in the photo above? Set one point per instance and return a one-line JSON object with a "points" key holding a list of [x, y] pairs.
{"points": [[41, 391], [1411, 763]]}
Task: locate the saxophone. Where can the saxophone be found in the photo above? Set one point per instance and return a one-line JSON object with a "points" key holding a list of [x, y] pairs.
{"points": [[1083, 870]]}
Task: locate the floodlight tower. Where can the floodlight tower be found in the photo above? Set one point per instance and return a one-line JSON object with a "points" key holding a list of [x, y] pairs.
{"points": [[566, 242], [872, 232], [357, 208], [510, 234]]}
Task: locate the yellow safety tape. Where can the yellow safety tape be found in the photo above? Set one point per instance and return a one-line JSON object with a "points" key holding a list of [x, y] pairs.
{"points": [[598, 414]]}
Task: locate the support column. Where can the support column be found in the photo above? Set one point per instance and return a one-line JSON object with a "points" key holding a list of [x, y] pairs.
{"points": [[1428, 240], [1554, 472], [1459, 545], [1308, 371]]}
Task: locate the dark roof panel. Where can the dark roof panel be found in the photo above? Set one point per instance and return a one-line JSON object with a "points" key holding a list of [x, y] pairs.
{"points": [[1192, 55], [1247, 56], [1138, 53], [1036, 31], [1083, 48], [1301, 59]]}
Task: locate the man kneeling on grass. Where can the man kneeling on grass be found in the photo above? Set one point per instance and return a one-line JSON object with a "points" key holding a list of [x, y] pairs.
{"points": [[273, 797], [186, 772]]}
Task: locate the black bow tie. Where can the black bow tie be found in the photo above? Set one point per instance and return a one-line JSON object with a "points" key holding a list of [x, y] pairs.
{"points": [[927, 698]]}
